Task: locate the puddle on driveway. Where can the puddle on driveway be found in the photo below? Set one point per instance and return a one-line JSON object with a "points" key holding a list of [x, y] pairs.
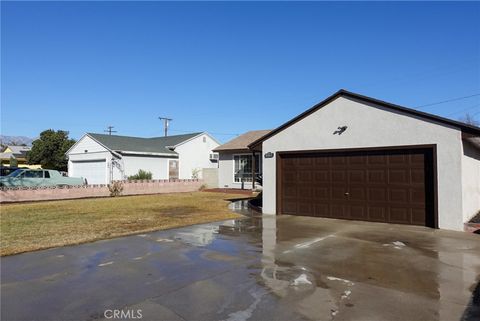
{"points": [[255, 268]]}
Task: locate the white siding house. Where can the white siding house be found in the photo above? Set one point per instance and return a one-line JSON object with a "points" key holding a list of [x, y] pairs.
{"points": [[102, 158]]}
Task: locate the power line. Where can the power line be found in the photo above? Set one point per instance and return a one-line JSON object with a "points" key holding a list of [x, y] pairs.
{"points": [[447, 101], [462, 110]]}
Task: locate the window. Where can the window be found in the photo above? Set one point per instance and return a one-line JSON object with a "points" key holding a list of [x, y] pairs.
{"points": [[243, 167], [33, 174], [47, 174]]}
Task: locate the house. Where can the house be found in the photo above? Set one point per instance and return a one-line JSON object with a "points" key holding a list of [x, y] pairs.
{"points": [[102, 158], [356, 157], [19, 153], [236, 161]]}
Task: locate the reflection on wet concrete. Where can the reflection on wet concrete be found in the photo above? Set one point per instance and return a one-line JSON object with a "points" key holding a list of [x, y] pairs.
{"points": [[255, 268]]}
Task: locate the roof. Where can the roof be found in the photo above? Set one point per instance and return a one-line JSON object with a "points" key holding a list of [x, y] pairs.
{"points": [[6, 155], [19, 151], [241, 142], [465, 128], [157, 145]]}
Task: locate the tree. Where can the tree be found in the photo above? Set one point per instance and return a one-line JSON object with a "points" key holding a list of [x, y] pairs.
{"points": [[49, 150], [469, 119]]}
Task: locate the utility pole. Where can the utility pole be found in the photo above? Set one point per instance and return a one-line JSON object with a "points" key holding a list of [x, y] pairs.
{"points": [[110, 130], [166, 122]]}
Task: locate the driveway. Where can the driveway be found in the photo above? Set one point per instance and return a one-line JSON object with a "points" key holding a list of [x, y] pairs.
{"points": [[257, 268]]}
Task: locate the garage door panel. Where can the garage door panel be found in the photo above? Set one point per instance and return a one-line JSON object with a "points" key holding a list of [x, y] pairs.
{"points": [[417, 196], [305, 176], [417, 176], [322, 176], [378, 176], [381, 186], [378, 214], [94, 171], [322, 193], [418, 216], [377, 194], [305, 192], [358, 212], [398, 176], [306, 208], [397, 159], [338, 193], [398, 195], [377, 159], [357, 160], [290, 207], [322, 210], [356, 176], [399, 215], [357, 193]]}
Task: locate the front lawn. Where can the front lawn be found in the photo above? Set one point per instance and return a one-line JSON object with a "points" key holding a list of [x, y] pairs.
{"points": [[34, 226]]}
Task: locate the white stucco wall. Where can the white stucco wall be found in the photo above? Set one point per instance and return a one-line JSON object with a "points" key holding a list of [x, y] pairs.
{"points": [[470, 181], [373, 127], [195, 154], [158, 166]]}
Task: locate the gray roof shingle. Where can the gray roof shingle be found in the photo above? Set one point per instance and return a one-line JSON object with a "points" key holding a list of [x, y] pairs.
{"points": [[140, 144]]}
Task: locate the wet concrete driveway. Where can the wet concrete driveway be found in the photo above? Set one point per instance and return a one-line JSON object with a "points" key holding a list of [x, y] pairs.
{"points": [[260, 268]]}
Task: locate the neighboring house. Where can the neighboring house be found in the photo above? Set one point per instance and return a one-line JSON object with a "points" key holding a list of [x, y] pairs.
{"points": [[16, 152], [236, 161], [355, 157], [102, 158]]}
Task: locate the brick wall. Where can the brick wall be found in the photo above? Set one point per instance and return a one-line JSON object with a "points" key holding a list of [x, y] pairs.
{"points": [[129, 188]]}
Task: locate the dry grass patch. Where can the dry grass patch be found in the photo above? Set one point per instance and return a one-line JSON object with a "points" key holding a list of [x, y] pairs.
{"points": [[34, 226]]}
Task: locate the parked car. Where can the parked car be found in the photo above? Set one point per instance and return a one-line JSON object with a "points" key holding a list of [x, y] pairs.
{"points": [[38, 178], [4, 170]]}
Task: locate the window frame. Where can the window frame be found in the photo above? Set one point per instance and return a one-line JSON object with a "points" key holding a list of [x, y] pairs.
{"points": [[257, 156]]}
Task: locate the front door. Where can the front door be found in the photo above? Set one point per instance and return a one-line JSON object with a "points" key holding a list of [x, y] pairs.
{"points": [[173, 169]]}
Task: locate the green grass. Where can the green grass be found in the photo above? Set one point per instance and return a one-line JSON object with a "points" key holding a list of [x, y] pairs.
{"points": [[34, 226]]}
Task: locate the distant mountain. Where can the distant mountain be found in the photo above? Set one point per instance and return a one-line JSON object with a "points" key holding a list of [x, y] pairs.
{"points": [[16, 140]]}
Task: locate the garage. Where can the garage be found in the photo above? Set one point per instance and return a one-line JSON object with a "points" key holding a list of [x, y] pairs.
{"points": [[354, 157], [94, 171], [386, 185]]}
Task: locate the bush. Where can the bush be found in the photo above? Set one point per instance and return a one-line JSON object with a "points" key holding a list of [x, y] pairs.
{"points": [[140, 175], [116, 188], [195, 173]]}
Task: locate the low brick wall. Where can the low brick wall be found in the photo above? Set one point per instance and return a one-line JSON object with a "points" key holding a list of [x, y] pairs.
{"points": [[129, 188]]}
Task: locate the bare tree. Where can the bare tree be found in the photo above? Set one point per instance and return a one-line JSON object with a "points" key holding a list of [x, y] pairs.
{"points": [[469, 119]]}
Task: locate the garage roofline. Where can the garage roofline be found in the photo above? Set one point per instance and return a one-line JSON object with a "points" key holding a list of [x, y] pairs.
{"points": [[468, 130]]}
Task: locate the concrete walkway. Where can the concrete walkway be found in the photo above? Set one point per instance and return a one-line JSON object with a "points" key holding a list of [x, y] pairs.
{"points": [[258, 268]]}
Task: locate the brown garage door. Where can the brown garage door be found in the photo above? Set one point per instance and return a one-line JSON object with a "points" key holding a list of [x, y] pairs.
{"points": [[394, 186]]}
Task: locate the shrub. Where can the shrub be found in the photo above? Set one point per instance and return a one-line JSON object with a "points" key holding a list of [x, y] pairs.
{"points": [[195, 173], [140, 175], [116, 188]]}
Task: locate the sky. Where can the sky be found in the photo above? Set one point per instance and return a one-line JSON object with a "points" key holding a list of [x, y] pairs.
{"points": [[227, 67]]}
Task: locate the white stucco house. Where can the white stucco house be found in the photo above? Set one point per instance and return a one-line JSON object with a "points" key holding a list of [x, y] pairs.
{"points": [[102, 158], [359, 158], [236, 161]]}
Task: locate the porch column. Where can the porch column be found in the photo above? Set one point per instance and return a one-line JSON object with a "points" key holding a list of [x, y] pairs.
{"points": [[253, 170]]}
